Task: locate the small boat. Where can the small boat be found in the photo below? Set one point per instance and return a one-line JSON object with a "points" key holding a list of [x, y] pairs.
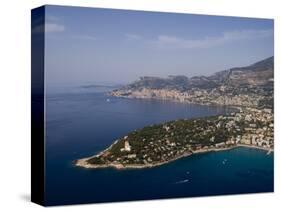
{"points": [[108, 100]]}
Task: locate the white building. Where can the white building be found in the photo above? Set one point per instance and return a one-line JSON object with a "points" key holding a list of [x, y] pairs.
{"points": [[127, 146]]}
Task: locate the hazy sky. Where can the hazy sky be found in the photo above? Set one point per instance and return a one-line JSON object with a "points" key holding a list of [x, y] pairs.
{"points": [[101, 45]]}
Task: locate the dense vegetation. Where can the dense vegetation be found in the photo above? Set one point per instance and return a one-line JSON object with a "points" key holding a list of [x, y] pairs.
{"points": [[163, 141]]}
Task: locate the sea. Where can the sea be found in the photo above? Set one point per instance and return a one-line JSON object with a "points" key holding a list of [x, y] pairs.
{"points": [[82, 121]]}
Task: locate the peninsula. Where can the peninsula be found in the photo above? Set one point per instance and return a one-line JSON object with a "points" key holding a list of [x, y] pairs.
{"points": [[162, 143]]}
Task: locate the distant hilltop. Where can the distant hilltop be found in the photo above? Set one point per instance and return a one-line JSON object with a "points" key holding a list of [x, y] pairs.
{"points": [[250, 85], [259, 73]]}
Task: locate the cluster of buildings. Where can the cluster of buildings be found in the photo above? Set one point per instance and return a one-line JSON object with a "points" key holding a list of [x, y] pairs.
{"points": [[254, 127], [198, 96], [259, 129]]}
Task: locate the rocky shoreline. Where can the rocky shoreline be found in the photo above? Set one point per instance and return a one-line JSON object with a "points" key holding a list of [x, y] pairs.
{"points": [[84, 164]]}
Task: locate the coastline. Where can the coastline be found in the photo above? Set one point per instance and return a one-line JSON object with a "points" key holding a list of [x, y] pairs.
{"points": [[83, 162], [269, 150], [237, 107], [212, 104]]}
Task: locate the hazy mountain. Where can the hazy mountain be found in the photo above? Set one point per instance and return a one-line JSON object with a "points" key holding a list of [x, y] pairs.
{"points": [[259, 74]]}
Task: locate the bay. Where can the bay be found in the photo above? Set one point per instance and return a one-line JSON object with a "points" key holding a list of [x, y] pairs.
{"points": [[81, 122]]}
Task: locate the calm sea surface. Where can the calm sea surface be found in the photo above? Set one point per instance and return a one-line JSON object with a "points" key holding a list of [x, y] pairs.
{"points": [[82, 122]]}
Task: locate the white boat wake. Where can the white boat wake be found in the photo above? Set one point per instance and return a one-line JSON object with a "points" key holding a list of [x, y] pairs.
{"points": [[183, 181]]}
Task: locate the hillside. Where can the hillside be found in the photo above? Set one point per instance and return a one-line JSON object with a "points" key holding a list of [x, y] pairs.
{"points": [[255, 82], [259, 73]]}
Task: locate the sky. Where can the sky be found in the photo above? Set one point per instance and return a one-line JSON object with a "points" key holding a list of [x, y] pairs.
{"points": [[90, 45]]}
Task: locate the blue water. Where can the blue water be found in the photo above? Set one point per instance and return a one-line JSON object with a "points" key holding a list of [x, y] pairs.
{"points": [[82, 122]]}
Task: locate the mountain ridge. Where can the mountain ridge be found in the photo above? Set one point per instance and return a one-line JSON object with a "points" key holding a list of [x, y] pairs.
{"points": [[252, 84], [181, 82]]}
